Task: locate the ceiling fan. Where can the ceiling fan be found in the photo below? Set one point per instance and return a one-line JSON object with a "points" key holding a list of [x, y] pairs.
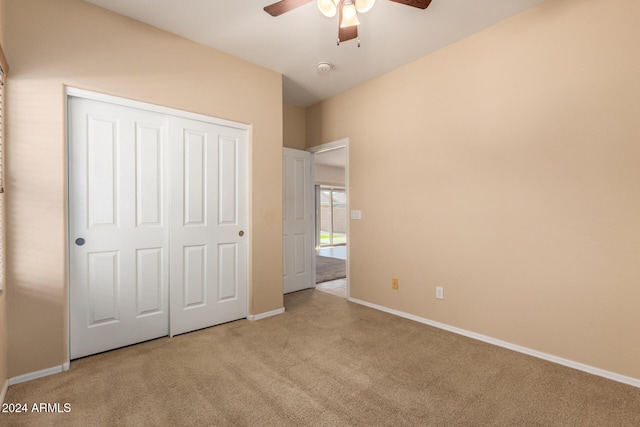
{"points": [[347, 11]]}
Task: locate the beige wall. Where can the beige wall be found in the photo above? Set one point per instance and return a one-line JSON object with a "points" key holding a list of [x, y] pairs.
{"points": [[293, 126], [71, 42], [3, 304], [505, 168], [330, 175]]}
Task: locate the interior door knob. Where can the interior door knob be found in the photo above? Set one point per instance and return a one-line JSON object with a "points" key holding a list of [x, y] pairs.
{"points": [[241, 233], [80, 241]]}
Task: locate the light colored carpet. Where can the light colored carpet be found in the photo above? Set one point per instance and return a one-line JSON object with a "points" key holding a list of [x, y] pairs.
{"points": [[330, 269], [325, 362]]}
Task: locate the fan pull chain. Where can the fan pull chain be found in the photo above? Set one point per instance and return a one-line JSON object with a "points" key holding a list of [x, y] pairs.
{"points": [[338, 41]]}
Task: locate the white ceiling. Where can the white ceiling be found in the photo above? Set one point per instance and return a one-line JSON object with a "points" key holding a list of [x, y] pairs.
{"points": [[391, 35]]}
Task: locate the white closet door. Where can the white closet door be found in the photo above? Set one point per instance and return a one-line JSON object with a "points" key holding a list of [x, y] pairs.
{"points": [[118, 216], [297, 220], [208, 225]]}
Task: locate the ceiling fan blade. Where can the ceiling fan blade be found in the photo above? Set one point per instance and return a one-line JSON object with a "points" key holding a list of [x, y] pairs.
{"points": [[420, 4], [283, 6]]}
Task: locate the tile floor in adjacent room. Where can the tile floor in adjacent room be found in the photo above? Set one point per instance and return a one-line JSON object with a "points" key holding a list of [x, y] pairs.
{"points": [[335, 287]]}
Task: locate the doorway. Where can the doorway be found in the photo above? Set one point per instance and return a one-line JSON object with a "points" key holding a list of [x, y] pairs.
{"points": [[331, 203]]}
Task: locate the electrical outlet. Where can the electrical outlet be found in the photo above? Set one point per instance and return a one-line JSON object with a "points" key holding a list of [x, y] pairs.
{"points": [[439, 292], [394, 284]]}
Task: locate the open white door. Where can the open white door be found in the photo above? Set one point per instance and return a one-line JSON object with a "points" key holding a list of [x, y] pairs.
{"points": [[119, 268], [297, 220], [208, 224]]}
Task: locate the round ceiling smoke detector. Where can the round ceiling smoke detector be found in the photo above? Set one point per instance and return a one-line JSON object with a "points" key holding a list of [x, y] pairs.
{"points": [[324, 67]]}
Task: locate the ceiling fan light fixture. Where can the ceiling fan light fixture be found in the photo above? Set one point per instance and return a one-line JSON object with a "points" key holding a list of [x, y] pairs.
{"points": [[328, 7], [363, 6], [347, 11], [349, 15]]}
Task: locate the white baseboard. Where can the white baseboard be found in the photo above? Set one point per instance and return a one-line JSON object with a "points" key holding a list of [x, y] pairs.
{"points": [[265, 315], [39, 374], [635, 382], [3, 393]]}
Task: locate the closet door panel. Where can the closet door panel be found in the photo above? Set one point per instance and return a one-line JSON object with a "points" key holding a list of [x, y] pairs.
{"points": [[119, 267], [209, 212]]}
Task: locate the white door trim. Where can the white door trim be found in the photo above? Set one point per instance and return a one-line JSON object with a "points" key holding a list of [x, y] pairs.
{"points": [[125, 102], [340, 143]]}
